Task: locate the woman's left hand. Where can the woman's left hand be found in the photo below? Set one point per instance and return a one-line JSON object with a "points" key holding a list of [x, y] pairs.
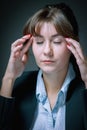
{"points": [[76, 49]]}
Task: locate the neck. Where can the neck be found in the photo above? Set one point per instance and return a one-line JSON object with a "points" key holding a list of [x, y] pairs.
{"points": [[53, 82]]}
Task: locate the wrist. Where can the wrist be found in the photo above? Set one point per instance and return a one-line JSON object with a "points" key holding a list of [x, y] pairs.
{"points": [[7, 86], [8, 79], [9, 76]]}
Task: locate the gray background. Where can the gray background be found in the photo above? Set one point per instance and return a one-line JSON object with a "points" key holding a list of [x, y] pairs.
{"points": [[14, 14]]}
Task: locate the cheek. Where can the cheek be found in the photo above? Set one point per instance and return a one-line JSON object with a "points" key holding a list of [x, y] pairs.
{"points": [[35, 51], [64, 53], [33, 48]]}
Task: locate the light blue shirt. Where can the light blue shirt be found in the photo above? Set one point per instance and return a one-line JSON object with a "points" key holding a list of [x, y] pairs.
{"points": [[47, 118]]}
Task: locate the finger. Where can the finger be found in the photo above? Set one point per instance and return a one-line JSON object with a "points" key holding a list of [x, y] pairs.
{"points": [[76, 45], [24, 58], [22, 40], [17, 48], [75, 53], [17, 42], [26, 38], [16, 51], [27, 46]]}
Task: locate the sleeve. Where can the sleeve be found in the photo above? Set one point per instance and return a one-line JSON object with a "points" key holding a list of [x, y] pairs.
{"points": [[6, 112]]}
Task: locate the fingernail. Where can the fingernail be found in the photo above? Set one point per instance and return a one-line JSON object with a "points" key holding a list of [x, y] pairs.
{"points": [[68, 44], [28, 35], [66, 38]]}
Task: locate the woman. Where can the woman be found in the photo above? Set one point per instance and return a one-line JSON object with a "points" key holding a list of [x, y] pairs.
{"points": [[55, 96]]}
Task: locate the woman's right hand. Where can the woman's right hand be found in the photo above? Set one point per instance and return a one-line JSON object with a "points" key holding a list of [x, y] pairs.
{"points": [[16, 64], [18, 57]]}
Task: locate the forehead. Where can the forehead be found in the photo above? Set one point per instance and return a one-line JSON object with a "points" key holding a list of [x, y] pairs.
{"points": [[45, 29]]}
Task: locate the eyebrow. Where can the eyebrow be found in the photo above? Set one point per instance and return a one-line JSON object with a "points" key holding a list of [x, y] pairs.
{"points": [[38, 35], [53, 36]]}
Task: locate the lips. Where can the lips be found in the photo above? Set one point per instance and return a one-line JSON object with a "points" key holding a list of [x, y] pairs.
{"points": [[47, 61]]}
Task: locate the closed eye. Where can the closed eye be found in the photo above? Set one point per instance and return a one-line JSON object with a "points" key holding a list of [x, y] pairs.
{"points": [[40, 42], [57, 42]]}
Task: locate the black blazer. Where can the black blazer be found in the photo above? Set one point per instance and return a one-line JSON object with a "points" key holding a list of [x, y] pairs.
{"points": [[17, 113]]}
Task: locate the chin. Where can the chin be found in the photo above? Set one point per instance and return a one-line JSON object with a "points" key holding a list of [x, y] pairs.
{"points": [[48, 70]]}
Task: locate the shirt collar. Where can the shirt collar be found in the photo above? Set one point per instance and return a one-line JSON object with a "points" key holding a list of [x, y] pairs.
{"points": [[40, 87]]}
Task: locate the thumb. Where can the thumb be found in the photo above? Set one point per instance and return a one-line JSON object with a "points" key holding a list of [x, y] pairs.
{"points": [[25, 58]]}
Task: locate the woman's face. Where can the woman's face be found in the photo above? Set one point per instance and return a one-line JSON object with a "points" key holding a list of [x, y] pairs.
{"points": [[50, 50]]}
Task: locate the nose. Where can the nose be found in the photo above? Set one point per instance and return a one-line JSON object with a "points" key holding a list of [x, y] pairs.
{"points": [[48, 51]]}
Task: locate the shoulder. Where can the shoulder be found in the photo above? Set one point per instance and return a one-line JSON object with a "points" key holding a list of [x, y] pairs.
{"points": [[26, 77], [76, 88], [25, 83], [76, 105]]}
